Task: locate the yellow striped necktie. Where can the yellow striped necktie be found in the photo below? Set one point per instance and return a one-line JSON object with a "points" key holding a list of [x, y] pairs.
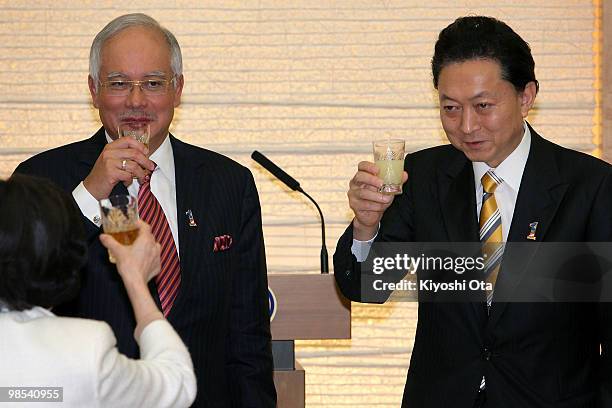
{"points": [[491, 229], [490, 235]]}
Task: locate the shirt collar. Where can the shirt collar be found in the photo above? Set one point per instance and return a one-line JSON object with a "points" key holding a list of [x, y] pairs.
{"points": [[27, 314], [36, 312], [511, 169], [163, 157]]}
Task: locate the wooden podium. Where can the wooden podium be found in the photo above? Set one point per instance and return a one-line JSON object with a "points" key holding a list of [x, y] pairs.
{"points": [[307, 307]]}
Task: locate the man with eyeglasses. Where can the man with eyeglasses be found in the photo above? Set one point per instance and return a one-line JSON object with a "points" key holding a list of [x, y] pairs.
{"points": [[203, 208]]}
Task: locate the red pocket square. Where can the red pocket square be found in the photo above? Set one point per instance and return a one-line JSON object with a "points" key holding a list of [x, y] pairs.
{"points": [[222, 243]]}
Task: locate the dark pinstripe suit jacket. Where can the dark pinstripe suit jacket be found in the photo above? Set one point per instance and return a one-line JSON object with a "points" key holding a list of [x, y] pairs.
{"points": [[221, 311], [534, 355]]}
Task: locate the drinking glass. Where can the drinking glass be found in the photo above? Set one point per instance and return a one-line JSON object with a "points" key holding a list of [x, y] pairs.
{"points": [[119, 219], [389, 158], [136, 130]]}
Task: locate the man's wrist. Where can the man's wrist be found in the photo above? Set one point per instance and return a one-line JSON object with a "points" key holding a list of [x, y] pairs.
{"points": [[363, 233], [90, 190]]}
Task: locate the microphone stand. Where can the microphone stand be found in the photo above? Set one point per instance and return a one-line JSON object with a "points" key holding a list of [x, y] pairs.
{"points": [[295, 186], [324, 263]]}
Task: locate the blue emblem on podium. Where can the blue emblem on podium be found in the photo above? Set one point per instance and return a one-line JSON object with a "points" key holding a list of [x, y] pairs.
{"points": [[272, 304]]}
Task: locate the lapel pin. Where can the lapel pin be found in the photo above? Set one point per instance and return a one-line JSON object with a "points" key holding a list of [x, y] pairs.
{"points": [[532, 230], [189, 215]]}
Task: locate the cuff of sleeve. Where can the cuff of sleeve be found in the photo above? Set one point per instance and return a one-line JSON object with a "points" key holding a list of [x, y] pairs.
{"points": [[140, 327], [158, 336], [87, 204], [361, 249]]}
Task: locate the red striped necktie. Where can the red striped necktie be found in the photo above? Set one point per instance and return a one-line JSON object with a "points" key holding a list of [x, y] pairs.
{"points": [[169, 278]]}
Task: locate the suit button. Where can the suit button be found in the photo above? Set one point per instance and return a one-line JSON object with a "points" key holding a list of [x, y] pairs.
{"points": [[486, 354], [347, 272]]}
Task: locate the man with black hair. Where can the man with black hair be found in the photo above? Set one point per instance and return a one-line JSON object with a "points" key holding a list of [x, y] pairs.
{"points": [[498, 181]]}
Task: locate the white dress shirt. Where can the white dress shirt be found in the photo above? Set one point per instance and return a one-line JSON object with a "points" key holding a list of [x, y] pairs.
{"points": [[510, 171], [163, 187]]}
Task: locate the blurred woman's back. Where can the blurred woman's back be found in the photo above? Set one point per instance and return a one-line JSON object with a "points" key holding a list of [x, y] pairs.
{"points": [[42, 251]]}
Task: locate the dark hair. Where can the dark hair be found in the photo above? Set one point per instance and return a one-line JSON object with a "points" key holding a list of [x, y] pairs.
{"points": [[479, 37], [42, 243]]}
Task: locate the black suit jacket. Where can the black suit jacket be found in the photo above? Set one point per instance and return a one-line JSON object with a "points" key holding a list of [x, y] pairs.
{"points": [[221, 310], [533, 354]]}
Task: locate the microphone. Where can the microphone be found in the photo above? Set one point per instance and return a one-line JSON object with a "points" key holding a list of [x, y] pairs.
{"points": [[295, 186], [276, 171]]}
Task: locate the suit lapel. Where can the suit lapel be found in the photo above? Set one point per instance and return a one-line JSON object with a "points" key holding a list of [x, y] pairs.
{"points": [[457, 197], [458, 200], [538, 199], [89, 154], [540, 193], [193, 186]]}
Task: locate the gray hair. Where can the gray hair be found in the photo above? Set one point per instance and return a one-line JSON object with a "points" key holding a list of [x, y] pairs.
{"points": [[126, 21]]}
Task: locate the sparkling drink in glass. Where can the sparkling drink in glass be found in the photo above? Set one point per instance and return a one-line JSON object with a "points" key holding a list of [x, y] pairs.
{"points": [[389, 158], [119, 219]]}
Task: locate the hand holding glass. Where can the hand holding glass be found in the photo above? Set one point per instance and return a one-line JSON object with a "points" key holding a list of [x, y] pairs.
{"points": [[389, 158], [120, 219]]}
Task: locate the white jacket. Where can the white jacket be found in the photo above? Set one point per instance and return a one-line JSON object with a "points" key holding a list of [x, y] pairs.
{"points": [[39, 349]]}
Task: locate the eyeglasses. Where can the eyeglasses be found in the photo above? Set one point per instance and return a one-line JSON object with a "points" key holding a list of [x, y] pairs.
{"points": [[123, 87]]}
